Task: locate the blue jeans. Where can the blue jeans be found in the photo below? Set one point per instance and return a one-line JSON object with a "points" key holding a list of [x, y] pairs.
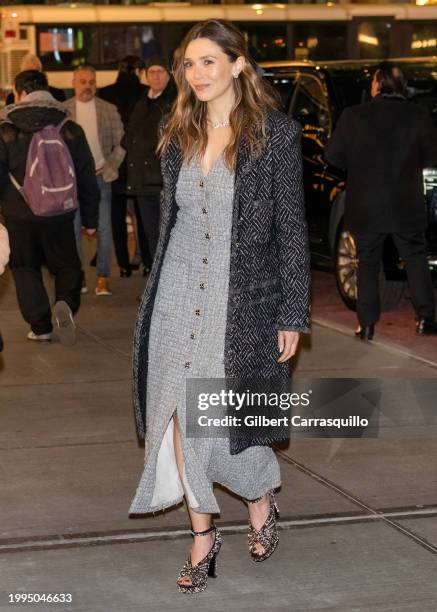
{"points": [[104, 230]]}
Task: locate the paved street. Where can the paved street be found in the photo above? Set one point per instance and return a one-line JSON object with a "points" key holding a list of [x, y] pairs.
{"points": [[358, 516]]}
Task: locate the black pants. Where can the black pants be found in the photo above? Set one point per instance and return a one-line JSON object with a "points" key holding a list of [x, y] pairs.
{"points": [[148, 206], [412, 249], [119, 229], [51, 242]]}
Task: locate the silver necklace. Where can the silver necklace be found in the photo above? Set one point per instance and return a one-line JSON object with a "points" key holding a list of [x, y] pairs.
{"points": [[218, 124]]}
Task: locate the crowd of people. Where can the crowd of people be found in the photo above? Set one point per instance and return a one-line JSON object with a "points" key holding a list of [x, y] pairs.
{"points": [[112, 135], [116, 172], [229, 293]]}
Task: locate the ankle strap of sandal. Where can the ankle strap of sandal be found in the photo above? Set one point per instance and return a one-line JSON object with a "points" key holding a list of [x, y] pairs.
{"points": [[202, 533]]}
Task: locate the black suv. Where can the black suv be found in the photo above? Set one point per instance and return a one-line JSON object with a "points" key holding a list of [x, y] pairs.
{"points": [[315, 95]]}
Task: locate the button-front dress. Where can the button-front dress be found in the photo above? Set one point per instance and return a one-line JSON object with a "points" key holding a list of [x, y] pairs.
{"points": [[187, 340]]}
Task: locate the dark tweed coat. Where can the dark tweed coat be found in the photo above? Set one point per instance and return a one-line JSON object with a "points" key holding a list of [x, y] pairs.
{"points": [[269, 269]]}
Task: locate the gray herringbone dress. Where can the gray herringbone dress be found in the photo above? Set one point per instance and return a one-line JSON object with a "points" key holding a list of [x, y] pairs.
{"points": [[187, 340]]}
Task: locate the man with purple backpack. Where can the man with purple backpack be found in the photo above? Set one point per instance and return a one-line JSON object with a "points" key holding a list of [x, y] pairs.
{"points": [[46, 171]]}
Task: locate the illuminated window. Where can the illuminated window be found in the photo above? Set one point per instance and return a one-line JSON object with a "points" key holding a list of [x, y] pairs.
{"points": [[424, 39]]}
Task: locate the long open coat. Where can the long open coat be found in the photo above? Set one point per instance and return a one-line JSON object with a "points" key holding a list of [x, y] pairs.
{"points": [[269, 269]]}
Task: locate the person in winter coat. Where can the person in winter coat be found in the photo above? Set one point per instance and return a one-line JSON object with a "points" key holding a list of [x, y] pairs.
{"points": [[228, 294], [124, 94], [34, 239], [144, 178], [384, 145]]}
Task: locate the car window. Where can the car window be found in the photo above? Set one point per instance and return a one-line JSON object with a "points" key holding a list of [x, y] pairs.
{"points": [[352, 89], [422, 88], [310, 104], [284, 84]]}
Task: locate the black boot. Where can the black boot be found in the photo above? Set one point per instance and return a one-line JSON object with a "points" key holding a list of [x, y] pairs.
{"points": [[365, 332], [426, 327], [126, 272]]}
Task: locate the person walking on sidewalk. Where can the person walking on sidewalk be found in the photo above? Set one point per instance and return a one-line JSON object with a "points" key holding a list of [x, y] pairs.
{"points": [[34, 239], [231, 270], [124, 94], [103, 128], [384, 145], [144, 178]]}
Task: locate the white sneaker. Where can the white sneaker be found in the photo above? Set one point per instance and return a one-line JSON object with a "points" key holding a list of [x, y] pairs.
{"points": [[39, 337], [64, 323]]}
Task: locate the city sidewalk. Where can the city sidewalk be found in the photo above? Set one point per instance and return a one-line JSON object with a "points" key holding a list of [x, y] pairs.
{"points": [[358, 516]]}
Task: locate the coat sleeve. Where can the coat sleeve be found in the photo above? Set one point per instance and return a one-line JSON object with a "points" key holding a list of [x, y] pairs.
{"points": [[291, 231], [335, 152], [117, 154]]}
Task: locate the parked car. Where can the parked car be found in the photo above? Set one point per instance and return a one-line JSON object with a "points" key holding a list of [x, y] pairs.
{"points": [[315, 95]]}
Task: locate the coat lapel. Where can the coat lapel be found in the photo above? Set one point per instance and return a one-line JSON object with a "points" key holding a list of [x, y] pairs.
{"points": [[71, 106], [245, 161], [100, 120], [171, 165]]}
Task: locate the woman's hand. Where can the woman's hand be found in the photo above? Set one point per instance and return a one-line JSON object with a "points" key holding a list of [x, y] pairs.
{"points": [[287, 344]]}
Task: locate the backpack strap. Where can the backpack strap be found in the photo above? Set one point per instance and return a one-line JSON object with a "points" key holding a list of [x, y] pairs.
{"points": [[63, 122], [16, 184]]}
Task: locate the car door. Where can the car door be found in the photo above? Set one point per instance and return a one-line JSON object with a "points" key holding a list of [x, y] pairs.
{"points": [[310, 106]]}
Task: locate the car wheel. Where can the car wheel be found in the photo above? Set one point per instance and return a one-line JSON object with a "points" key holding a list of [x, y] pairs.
{"points": [[346, 265]]}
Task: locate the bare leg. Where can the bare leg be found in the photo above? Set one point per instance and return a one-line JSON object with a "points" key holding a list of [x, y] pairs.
{"points": [[199, 521]]}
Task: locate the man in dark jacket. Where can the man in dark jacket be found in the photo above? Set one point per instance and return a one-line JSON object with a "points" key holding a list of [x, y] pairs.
{"points": [[144, 178], [384, 145], [124, 94], [33, 239]]}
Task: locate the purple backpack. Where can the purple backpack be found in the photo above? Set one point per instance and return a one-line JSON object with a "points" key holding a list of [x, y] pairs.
{"points": [[49, 186]]}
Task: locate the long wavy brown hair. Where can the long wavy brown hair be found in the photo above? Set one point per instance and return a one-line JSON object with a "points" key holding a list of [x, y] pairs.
{"points": [[253, 97]]}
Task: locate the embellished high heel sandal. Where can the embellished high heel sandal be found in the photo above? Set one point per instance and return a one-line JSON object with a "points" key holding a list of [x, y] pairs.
{"points": [[267, 536], [199, 573]]}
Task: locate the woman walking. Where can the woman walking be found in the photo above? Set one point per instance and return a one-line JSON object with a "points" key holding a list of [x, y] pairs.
{"points": [[228, 293]]}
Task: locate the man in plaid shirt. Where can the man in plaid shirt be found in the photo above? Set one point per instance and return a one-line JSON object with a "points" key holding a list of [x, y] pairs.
{"points": [[103, 128]]}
